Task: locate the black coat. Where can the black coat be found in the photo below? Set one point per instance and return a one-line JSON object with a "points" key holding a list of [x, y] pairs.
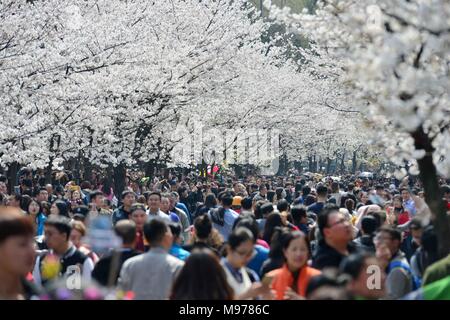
{"points": [[327, 256], [101, 269]]}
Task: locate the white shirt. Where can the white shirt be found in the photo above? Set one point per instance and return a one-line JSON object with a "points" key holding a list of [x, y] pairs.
{"points": [[159, 214]]}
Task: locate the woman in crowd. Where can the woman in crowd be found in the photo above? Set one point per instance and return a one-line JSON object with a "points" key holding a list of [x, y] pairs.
{"points": [[60, 208], [76, 237], [201, 278], [244, 281], [291, 280]]}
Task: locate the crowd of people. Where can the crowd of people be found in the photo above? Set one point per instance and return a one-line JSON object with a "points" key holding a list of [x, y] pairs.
{"points": [[284, 238]]}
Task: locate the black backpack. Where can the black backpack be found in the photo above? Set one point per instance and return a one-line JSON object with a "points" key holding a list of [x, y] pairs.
{"points": [[218, 216]]}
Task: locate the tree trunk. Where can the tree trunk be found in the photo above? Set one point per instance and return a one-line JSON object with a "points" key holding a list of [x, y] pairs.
{"points": [[12, 176], [119, 179], [328, 165], [354, 164], [433, 197], [87, 166]]}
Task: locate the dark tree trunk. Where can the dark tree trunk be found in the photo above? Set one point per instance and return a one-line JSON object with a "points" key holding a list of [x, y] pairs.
{"points": [[119, 179], [354, 164], [12, 176], [328, 165], [433, 197], [87, 166]]}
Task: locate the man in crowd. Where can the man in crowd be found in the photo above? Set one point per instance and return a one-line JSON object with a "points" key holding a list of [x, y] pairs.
{"points": [[408, 202], [223, 217], [150, 275], [126, 230], [128, 198], [154, 203], [316, 207], [399, 280], [57, 233], [337, 234]]}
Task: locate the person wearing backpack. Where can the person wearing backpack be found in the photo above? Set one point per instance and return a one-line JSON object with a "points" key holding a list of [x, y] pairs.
{"points": [[243, 280], [399, 280], [223, 217]]}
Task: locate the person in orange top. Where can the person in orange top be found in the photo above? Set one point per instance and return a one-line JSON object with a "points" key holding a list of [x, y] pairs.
{"points": [[290, 281]]}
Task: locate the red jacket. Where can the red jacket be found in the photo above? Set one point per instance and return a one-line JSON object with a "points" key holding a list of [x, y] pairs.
{"points": [[284, 279]]}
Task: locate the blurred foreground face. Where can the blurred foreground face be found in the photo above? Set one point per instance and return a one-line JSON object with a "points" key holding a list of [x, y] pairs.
{"points": [[54, 238], [139, 217], [75, 237], [370, 283], [17, 255]]}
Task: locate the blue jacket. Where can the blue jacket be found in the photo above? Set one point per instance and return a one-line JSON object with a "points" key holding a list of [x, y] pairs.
{"points": [[179, 252]]}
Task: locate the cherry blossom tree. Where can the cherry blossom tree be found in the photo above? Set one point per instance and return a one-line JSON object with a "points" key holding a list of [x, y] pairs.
{"points": [[394, 57]]}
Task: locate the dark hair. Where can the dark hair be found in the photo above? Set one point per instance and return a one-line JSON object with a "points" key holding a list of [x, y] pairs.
{"points": [[201, 278], [60, 223], [79, 217], [310, 199], [266, 208], [298, 212], [126, 230], [279, 192], [95, 194], [262, 186], [155, 193], [276, 246], [415, 223], [42, 189], [251, 225], [322, 191], [393, 233], [321, 280], [46, 207], [13, 223], [270, 195], [203, 226], [322, 218], [210, 200], [62, 207], [349, 205], [239, 236], [38, 203], [27, 183], [429, 243], [246, 203], [106, 186], [227, 199], [176, 229], [258, 211], [306, 191], [85, 185], [288, 237], [125, 193], [181, 190], [273, 220], [25, 202], [404, 189], [154, 231], [137, 206], [353, 264], [369, 224], [282, 205]]}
